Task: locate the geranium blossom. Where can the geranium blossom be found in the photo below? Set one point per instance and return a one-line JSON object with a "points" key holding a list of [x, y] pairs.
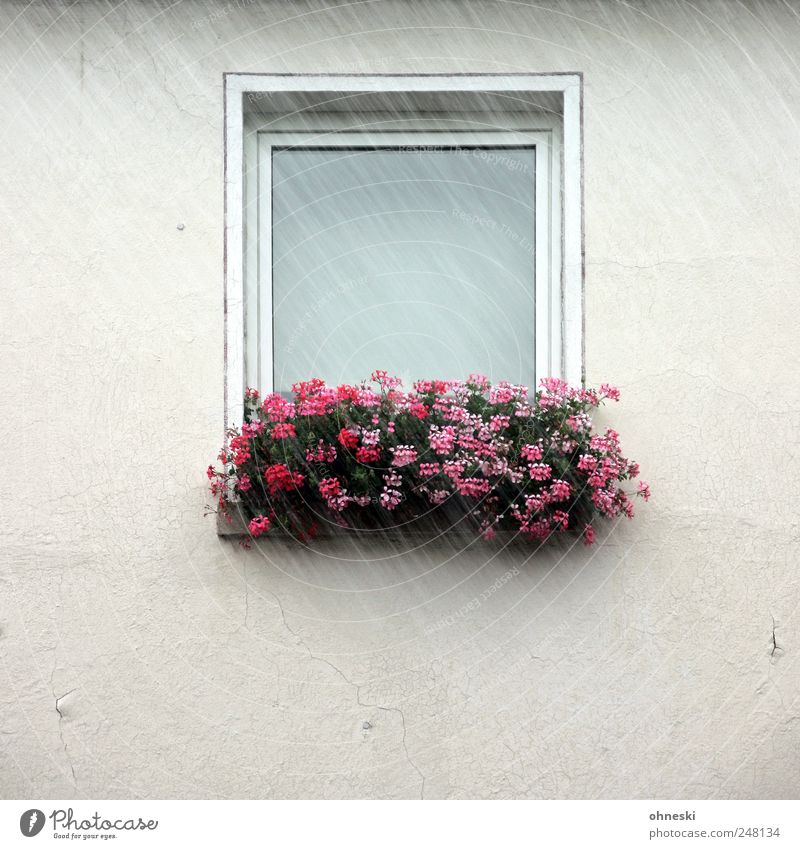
{"points": [[368, 454], [403, 455], [322, 453], [347, 438], [442, 439], [531, 452], [283, 431], [540, 471], [277, 408], [330, 487], [259, 525], [280, 477]]}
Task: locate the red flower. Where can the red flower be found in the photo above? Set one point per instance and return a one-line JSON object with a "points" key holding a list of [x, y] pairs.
{"points": [[306, 389], [329, 487], [346, 392], [368, 454], [278, 477], [347, 438], [240, 446], [418, 410]]}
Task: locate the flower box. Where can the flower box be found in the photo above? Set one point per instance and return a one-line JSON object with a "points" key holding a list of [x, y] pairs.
{"points": [[461, 457]]}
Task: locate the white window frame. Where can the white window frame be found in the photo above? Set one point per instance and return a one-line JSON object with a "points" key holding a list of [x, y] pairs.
{"points": [[559, 218], [260, 143]]}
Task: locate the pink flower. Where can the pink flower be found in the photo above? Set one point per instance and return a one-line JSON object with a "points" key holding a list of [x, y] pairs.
{"points": [[531, 452], [588, 535], [498, 423], [339, 502], [392, 479], [560, 520], [473, 487], [534, 503], [504, 392], [381, 377], [644, 490], [610, 392], [277, 408], [370, 437], [426, 387], [454, 469], [283, 431], [244, 483], [252, 429], [442, 439], [589, 396], [540, 471], [479, 381], [437, 496], [323, 453], [560, 490], [577, 423], [403, 455], [426, 469], [390, 498], [555, 386]]}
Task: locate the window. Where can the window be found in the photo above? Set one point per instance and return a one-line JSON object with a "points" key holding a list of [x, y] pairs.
{"points": [[403, 223]]}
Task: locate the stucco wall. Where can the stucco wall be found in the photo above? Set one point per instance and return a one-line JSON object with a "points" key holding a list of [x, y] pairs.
{"points": [[143, 656]]}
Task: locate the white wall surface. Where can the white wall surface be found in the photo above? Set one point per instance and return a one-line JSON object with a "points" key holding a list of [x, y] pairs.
{"points": [[143, 656]]}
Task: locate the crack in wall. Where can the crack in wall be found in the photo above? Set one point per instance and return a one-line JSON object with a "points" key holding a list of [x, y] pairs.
{"points": [[357, 687], [61, 731], [775, 646], [60, 698]]}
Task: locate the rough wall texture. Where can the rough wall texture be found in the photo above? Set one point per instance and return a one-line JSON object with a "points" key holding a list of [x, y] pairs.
{"points": [[143, 656]]}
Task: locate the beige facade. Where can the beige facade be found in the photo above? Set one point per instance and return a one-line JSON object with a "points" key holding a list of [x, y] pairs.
{"points": [[144, 656]]}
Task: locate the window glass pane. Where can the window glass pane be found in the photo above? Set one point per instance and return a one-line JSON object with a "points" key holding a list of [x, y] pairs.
{"points": [[419, 261]]}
